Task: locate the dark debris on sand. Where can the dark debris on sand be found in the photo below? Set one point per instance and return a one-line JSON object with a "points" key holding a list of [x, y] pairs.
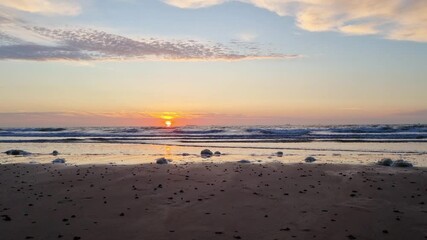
{"points": [[211, 201]]}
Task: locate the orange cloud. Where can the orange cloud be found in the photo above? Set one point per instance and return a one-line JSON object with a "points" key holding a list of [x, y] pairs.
{"points": [[359, 29]]}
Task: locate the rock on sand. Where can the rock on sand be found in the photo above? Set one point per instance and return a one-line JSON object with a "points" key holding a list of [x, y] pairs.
{"points": [[310, 159], [398, 163], [385, 162], [401, 163], [206, 153], [244, 161], [162, 161], [16, 152], [59, 160]]}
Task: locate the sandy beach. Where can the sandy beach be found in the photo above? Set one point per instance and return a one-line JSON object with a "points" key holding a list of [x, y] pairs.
{"points": [[212, 201]]}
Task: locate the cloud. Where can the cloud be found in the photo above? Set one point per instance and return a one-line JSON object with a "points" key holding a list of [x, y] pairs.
{"points": [[52, 119], [77, 119], [416, 113], [24, 42], [37, 52], [64, 119], [246, 37], [392, 19], [359, 29], [51, 7], [194, 3]]}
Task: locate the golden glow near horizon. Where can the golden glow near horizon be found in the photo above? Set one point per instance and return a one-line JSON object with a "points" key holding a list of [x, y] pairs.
{"points": [[168, 117]]}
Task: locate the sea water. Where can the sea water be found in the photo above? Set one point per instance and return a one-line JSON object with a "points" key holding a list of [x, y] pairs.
{"points": [[352, 144]]}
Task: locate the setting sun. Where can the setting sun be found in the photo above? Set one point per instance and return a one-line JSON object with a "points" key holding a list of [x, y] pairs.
{"points": [[166, 117]]}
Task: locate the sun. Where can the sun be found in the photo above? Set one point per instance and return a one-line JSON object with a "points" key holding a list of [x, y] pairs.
{"points": [[166, 118]]}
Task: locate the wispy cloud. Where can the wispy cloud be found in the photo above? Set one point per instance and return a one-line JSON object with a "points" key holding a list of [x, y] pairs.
{"points": [[194, 3], [49, 119], [22, 41], [50, 7], [52, 119], [415, 113], [246, 37], [359, 29], [392, 19]]}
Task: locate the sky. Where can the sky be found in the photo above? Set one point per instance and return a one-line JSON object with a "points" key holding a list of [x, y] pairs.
{"points": [[212, 62]]}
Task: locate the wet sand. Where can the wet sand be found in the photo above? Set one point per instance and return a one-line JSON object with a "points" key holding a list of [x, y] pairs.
{"points": [[212, 201]]}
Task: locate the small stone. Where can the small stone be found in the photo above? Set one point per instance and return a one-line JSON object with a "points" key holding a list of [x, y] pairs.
{"points": [[162, 161], [206, 153], [401, 163], [244, 161], [16, 152], [385, 162], [310, 159], [6, 218], [59, 160]]}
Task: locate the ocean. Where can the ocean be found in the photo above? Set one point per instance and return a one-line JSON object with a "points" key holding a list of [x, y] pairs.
{"points": [[332, 143]]}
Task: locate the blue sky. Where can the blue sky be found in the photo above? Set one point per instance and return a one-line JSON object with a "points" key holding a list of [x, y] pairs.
{"points": [[212, 62]]}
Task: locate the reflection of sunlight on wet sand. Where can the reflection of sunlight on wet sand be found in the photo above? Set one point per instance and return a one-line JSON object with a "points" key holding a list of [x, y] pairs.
{"points": [[164, 150], [168, 152]]}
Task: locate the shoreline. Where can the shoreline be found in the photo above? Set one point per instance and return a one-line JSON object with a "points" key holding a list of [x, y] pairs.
{"points": [[212, 201]]}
